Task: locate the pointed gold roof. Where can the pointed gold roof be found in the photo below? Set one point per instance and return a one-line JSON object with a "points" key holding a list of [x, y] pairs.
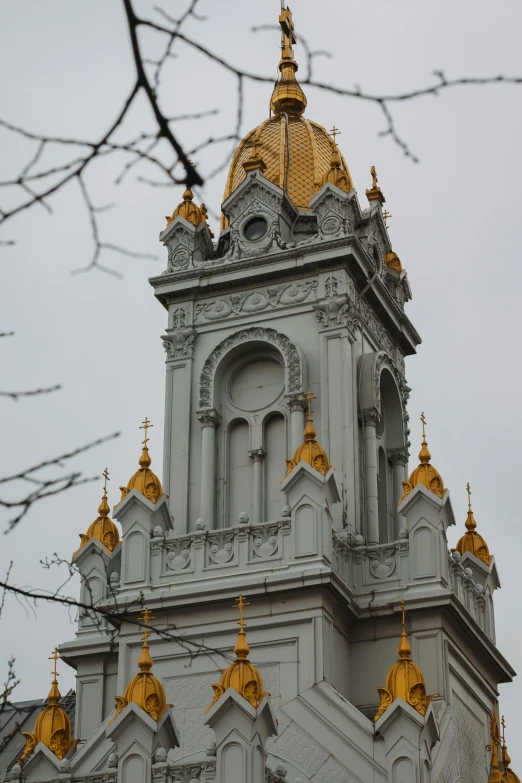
{"points": [[405, 679], [425, 473], [310, 451], [144, 480], [144, 689], [472, 541], [52, 726], [509, 775], [188, 210], [241, 675], [103, 528], [296, 152]]}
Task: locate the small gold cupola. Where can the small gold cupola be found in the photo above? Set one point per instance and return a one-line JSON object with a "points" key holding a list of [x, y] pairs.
{"points": [[472, 541], [509, 775], [144, 689], [424, 473], [144, 480], [405, 680], [52, 726], [188, 210], [310, 451], [241, 675], [103, 528]]}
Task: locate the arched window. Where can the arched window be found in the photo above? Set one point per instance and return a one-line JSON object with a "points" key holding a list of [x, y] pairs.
{"points": [[252, 436], [390, 439]]}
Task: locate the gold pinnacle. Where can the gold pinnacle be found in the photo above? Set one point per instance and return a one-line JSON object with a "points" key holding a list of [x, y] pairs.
{"points": [[105, 475], [386, 215], [308, 397], [145, 620], [241, 603], [423, 419], [469, 496], [54, 657], [373, 172]]}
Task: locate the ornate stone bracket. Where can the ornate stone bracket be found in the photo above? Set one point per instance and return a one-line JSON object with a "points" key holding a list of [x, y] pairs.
{"points": [[179, 343], [209, 418]]}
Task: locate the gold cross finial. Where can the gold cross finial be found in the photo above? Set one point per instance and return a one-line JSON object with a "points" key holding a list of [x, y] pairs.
{"points": [[469, 495], [335, 132], [423, 419], [403, 607], [105, 475], [288, 36], [308, 397], [145, 426], [386, 215], [241, 603], [373, 172], [145, 620], [54, 657], [503, 730]]}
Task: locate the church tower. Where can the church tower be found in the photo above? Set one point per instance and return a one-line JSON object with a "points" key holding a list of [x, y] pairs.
{"points": [[371, 653]]}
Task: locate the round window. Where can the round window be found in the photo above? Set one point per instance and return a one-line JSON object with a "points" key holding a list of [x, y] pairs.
{"points": [[255, 228]]}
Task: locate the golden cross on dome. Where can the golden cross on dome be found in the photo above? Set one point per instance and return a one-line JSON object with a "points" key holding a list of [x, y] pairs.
{"points": [[145, 426], [335, 132], [386, 215], [469, 495], [503, 730], [145, 620], [54, 657], [105, 475], [403, 607], [241, 603], [308, 397], [288, 31], [373, 172]]}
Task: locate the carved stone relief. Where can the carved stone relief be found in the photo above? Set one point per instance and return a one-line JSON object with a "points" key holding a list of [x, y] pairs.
{"points": [[247, 302]]}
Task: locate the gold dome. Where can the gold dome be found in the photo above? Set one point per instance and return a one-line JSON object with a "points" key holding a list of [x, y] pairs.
{"points": [[144, 480], [310, 451], [103, 528], [472, 541], [424, 473], [188, 210], [393, 261], [144, 689], [241, 675], [405, 680], [297, 153], [52, 726]]}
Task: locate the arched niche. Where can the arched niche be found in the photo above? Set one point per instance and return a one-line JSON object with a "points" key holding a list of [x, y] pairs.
{"points": [[375, 390], [236, 344]]}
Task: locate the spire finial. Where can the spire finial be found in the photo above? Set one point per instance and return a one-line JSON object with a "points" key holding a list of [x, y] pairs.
{"points": [[335, 132], [287, 97], [54, 693], [309, 430], [145, 459], [103, 508], [424, 454], [470, 521], [145, 661], [468, 488], [375, 193], [373, 173], [288, 36], [386, 215], [404, 648], [241, 649]]}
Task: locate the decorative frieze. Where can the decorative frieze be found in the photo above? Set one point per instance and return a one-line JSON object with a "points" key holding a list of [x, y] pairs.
{"points": [[247, 302]]}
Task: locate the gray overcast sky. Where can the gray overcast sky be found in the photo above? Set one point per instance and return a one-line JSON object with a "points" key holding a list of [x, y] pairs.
{"points": [[455, 225]]}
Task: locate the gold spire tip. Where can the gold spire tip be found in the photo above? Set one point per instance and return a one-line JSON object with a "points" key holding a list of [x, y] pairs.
{"points": [[145, 424], [335, 132], [424, 454], [145, 459], [386, 215], [373, 174], [404, 649], [54, 694], [145, 661], [241, 649]]}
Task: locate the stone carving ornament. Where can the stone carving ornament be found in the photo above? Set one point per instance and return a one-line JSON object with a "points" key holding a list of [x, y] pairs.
{"points": [[255, 301], [292, 360], [382, 561], [178, 554]]}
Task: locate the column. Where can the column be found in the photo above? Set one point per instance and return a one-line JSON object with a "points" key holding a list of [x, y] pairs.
{"points": [[209, 420], [399, 460], [257, 456], [297, 407], [371, 471]]}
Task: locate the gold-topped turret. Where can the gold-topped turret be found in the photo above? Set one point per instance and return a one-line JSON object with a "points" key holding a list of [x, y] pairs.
{"points": [[188, 210], [144, 689], [241, 675], [310, 451], [472, 541], [53, 725], [424, 473], [103, 528], [144, 480], [509, 775], [405, 680]]}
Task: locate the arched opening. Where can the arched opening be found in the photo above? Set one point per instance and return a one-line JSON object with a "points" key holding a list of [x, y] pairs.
{"points": [[239, 472], [391, 457], [275, 440]]}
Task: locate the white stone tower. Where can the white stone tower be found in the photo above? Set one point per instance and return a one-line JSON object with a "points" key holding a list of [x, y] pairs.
{"points": [[307, 513]]}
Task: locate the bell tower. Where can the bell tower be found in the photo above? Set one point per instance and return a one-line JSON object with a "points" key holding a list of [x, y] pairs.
{"points": [[285, 482]]}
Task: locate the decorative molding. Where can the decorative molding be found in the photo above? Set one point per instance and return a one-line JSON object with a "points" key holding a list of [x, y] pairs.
{"points": [[178, 553], [371, 417], [292, 360], [209, 418], [382, 561], [179, 343], [247, 302], [257, 455]]}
